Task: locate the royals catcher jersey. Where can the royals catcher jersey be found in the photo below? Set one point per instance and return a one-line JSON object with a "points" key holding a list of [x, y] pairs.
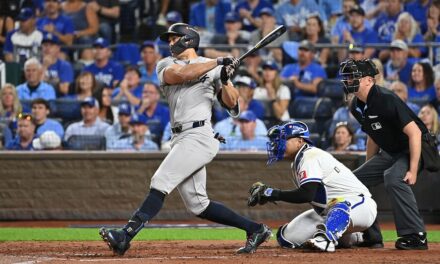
{"points": [[191, 101], [315, 165]]}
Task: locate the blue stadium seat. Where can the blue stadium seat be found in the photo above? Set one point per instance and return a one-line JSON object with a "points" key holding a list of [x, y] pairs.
{"points": [[332, 89], [68, 110], [86, 142], [127, 54], [311, 107]]}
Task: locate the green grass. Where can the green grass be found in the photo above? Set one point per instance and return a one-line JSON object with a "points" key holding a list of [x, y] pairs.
{"points": [[91, 234]]}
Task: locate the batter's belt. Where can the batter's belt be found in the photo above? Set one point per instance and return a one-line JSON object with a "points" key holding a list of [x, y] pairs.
{"points": [[186, 126]]}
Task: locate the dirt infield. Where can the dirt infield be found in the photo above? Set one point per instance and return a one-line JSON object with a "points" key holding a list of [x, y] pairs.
{"points": [[201, 252]]}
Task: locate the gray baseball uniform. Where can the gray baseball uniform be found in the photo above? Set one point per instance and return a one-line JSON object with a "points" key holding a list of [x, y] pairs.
{"points": [[193, 148]]}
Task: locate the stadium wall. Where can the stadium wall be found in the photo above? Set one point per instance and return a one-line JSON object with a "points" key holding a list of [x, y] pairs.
{"points": [[110, 185]]}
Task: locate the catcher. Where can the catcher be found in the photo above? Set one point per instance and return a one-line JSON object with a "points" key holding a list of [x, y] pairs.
{"points": [[342, 205]]}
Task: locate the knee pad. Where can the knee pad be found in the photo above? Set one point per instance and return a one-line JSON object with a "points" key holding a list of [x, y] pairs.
{"points": [[337, 221], [284, 243]]}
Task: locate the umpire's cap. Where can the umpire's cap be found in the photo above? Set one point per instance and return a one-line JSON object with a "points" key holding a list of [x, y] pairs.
{"points": [[192, 37]]}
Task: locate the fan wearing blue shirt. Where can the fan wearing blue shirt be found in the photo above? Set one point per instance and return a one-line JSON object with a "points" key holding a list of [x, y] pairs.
{"points": [[249, 10], [25, 133], [59, 73], [399, 66], [137, 141], [108, 72], [130, 89], [157, 114], [147, 67], [248, 141], [40, 111], [33, 87], [419, 10], [209, 15], [306, 74], [385, 24], [56, 23], [358, 34]]}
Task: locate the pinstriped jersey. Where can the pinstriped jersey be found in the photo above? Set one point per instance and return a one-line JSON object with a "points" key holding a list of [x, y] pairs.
{"points": [[312, 164], [193, 100]]}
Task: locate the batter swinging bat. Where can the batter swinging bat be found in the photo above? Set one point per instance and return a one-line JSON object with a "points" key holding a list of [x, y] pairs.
{"points": [[264, 41]]}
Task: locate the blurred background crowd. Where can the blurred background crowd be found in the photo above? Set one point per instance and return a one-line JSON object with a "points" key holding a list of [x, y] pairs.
{"points": [[80, 74]]}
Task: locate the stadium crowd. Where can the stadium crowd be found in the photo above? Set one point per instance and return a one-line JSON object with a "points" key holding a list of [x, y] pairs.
{"points": [[89, 77]]}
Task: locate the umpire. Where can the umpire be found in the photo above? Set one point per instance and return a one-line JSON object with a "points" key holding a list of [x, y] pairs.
{"points": [[394, 148]]}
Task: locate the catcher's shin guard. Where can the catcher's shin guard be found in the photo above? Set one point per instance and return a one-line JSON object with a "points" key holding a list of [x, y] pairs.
{"points": [[337, 221]]}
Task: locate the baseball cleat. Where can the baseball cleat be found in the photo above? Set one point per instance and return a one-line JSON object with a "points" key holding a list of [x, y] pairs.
{"points": [[255, 239], [412, 242], [320, 243], [117, 240]]}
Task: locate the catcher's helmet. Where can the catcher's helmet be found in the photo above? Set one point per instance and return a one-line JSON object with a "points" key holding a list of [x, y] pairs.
{"points": [[279, 134], [190, 38], [351, 71]]}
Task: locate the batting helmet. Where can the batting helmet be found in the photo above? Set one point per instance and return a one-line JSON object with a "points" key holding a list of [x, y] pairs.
{"points": [[279, 134], [351, 71], [190, 38]]}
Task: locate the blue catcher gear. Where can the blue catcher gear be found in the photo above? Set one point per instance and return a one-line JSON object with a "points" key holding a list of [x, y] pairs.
{"points": [[336, 222], [279, 134]]}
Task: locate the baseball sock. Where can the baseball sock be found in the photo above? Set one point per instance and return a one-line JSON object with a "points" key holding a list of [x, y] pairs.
{"points": [[217, 212], [149, 208]]}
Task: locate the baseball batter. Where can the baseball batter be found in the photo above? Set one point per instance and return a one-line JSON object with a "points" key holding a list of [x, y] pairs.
{"points": [[190, 84], [342, 205]]}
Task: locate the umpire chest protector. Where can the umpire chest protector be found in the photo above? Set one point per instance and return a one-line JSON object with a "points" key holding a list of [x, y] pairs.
{"points": [[383, 118]]}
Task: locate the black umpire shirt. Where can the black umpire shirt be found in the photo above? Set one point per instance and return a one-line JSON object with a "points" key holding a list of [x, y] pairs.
{"points": [[383, 118]]}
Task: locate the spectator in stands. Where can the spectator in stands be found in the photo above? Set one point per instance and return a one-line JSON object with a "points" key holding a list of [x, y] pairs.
{"points": [[314, 32], [57, 72], [248, 141], [84, 18], [40, 111], [108, 72], [85, 86], [432, 23], [119, 129], [380, 79], [343, 138], [398, 67], [401, 90], [108, 12], [293, 14], [248, 10], [331, 8], [355, 52], [137, 141], [268, 24], [172, 17], [150, 56], [246, 87], [436, 101], [358, 34], [343, 22], [6, 26], [23, 43], [429, 117], [306, 74], [157, 114], [209, 15], [107, 112], [385, 24], [49, 140], [418, 10], [343, 114], [233, 36], [55, 23], [10, 105], [34, 87], [91, 123], [25, 133], [273, 93], [422, 82], [408, 30], [130, 89]]}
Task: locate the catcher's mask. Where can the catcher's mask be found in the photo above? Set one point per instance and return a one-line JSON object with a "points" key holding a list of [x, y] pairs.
{"points": [[351, 71], [278, 136], [190, 38]]}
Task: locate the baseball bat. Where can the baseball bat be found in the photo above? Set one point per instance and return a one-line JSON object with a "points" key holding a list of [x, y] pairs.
{"points": [[265, 41]]}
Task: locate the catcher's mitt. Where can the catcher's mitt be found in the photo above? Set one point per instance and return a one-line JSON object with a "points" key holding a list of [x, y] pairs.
{"points": [[259, 193]]}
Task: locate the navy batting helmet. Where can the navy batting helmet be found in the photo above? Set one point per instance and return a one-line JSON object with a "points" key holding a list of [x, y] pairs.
{"points": [[190, 38], [279, 134], [351, 71]]}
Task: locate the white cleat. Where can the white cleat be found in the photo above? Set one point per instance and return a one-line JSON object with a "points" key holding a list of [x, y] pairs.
{"points": [[320, 243]]}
